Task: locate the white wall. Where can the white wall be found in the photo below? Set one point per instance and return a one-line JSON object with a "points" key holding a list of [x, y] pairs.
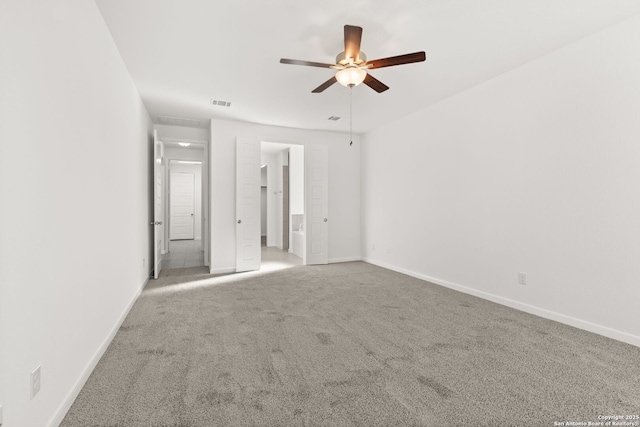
{"points": [[184, 133], [535, 171], [196, 170], [296, 186], [296, 181], [190, 154], [75, 145], [344, 187]]}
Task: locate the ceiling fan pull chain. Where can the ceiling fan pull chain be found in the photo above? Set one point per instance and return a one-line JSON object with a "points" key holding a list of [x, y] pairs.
{"points": [[351, 115]]}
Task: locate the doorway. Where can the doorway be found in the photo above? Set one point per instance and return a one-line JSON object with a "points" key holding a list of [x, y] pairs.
{"points": [[185, 224], [282, 212], [314, 165], [177, 154]]}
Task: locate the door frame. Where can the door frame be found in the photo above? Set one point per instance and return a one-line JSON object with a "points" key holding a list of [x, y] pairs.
{"points": [[194, 204], [272, 168], [206, 195]]}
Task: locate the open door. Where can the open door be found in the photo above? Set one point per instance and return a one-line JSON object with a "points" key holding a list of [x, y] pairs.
{"points": [[158, 229], [248, 255], [316, 205]]}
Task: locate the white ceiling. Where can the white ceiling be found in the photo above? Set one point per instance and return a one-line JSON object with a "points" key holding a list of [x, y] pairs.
{"points": [[182, 54]]}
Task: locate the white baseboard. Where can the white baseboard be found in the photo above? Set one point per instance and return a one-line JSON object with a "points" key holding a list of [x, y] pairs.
{"points": [[225, 270], [86, 373], [531, 309], [348, 259]]}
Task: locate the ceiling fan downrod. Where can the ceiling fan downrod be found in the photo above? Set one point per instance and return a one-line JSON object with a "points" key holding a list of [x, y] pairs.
{"points": [[351, 115]]}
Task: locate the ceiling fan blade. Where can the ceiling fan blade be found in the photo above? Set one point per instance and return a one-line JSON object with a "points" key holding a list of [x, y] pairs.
{"points": [[352, 37], [325, 85], [375, 84], [307, 63], [397, 60]]}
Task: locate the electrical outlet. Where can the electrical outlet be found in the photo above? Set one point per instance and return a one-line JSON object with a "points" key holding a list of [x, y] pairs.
{"points": [[35, 381], [522, 278]]}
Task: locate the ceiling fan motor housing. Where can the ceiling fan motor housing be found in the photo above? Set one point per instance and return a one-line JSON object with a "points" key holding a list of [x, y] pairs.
{"points": [[360, 60]]}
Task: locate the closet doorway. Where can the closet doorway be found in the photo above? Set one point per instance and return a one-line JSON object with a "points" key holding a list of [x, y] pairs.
{"points": [[282, 198]]}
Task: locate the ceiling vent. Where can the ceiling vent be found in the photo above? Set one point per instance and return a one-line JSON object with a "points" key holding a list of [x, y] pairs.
{"points": [[334, 118], [219, 103], [180, 121]]}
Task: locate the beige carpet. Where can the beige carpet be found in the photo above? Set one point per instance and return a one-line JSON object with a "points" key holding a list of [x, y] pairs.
{"points": [[347, 345]]}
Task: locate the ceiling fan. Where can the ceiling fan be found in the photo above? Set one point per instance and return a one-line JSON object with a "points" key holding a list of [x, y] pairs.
{"points": [[352, 64]]}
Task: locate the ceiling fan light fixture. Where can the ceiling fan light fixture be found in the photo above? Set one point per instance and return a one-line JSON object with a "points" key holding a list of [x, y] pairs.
{"points": [[353, 65], [351, 76]]}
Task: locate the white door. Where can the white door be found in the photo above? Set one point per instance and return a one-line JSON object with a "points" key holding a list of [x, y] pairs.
{"points": [[182, 205], [247, 204], [158, 229], [316, 205]]}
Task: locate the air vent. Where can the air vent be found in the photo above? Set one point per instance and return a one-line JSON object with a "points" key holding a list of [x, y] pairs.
{"points": [[219, 103], [334, 118]]}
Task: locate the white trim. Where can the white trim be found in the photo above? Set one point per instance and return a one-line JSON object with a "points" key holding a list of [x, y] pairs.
{"points": [[542, 312], [225, 270], [88, 370], [191, 141], [348, 259]]}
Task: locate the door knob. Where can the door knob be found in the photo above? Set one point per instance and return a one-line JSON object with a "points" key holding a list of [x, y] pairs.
{"points": [[239, 221], [191, 214], [325, 220], [156, 222]]}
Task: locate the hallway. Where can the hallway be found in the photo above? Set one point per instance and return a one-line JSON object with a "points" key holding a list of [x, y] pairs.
{"points": [[183, 254]]}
